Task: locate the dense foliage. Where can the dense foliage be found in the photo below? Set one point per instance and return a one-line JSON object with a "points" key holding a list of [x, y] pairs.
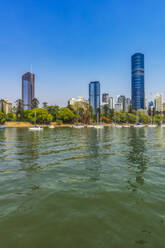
{"points": [[66, 115], [2, 117], [38, 115], [77, 113]]}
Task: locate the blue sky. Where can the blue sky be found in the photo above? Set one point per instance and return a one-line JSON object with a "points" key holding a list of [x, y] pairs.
{"points": [[72, 42]]}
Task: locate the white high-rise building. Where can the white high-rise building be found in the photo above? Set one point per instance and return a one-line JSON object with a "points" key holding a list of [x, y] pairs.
{"points": [[158, 99], [111, 103]]}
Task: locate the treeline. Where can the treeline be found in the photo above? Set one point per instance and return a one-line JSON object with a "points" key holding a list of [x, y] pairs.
{"points": [[43, 115], [131, 117], [72, 114]]}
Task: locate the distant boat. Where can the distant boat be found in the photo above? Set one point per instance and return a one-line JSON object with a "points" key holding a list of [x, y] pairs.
{"points": [[90, 126], [2, 127], [77, 126], [35, 128], [99, 126], [138, 125], [163, 125], [126, 126], [51, 127], [118, 126], [152, 125]]}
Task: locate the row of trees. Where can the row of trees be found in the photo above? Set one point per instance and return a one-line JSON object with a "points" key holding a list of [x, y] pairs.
{"points": [[76, 113], [43, 115], [130, 117]]}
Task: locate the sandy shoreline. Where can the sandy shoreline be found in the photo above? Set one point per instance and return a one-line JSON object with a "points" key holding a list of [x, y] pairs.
{"points": [[28, 124]]}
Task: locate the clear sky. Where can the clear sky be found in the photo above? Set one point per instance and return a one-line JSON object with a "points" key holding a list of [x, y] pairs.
{"points": [[71, 42]]}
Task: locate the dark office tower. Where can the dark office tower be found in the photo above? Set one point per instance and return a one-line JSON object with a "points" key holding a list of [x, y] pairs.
{"points": [[138, 94], [105, 98], [94, 95], [28, 85]]}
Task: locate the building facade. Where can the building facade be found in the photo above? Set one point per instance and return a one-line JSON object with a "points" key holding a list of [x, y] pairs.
{"points": [[111, 103], [28, 89], [6, 106], [127, 104], [79, 102], [94, 95], [105, 98], [121, 100], [158, 99], [138, 92], [118, 107]]}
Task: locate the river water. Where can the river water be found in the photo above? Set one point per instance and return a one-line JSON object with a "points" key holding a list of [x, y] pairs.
{"points": [[82, 188]]}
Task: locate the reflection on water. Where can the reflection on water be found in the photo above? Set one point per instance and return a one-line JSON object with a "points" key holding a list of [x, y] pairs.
{"points": [[137, 157], [61, 185]]}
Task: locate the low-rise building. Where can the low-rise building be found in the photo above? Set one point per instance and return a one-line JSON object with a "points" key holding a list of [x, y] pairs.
{"points": [[79, 102], [127, 104], [118, 107], [105, 98], [158, 99], [164, 107], [6, 106]]}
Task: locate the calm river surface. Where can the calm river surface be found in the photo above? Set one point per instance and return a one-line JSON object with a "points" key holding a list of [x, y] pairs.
{"points": [[82, 188]]}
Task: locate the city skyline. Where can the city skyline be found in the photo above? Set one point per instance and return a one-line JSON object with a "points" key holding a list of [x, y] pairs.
{"points": [[102, 92], [79, 43]]}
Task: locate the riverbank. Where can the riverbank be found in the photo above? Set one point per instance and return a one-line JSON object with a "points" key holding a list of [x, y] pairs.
{"points": [[28, 124]]}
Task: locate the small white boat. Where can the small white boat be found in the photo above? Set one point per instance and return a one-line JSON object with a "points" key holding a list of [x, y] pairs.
{"points": [[99, 126], [139, 126], [90, 126], [118, 126], [163, 125], [152, 125], [35, 128], [51, 127], [78, 126], [126, 126]]}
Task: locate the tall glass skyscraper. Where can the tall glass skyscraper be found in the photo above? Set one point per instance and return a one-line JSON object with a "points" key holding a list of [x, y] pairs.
{"points": [[138, 94], [28, 87], [94, 95]]}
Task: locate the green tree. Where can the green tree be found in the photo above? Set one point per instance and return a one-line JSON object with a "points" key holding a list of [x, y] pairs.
{"points": [[131, 118], [19, 109], [116, 117], [45, 105], [81, 114], [11, 117], [35, 103], [14, 110], [2, 117], [53, 110], [26, 114], [158, 119], [106, 110], [2, 101], [144, 118], [66, 115], [89, 113], [97, 116], [123, 117], [38, 115]]}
